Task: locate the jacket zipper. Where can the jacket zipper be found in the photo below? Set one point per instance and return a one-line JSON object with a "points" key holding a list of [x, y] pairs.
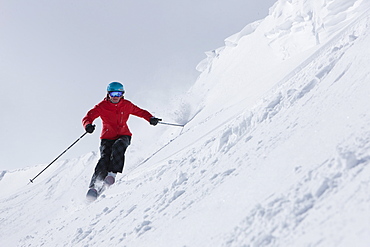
{"points": [[120, 119]]}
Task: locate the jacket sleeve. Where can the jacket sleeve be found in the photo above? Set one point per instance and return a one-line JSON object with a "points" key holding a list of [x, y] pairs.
{"points": [[91, 116], [137, 111]]}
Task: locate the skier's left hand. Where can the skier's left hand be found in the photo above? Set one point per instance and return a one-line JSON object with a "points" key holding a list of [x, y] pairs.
{"points": [[154, 121]]}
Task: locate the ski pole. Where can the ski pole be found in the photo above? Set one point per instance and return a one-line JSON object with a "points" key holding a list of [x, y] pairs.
{"points": [[31, 180], [179, 125]]}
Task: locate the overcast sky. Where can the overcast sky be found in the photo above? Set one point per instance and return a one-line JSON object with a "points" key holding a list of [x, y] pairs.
{"points": [[57, 58]]}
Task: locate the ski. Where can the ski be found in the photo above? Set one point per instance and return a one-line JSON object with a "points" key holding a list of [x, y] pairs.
{"points": [[94, 193]]}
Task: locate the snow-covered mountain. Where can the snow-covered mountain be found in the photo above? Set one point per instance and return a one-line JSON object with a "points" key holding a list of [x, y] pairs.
{"points": [[275, 151]]}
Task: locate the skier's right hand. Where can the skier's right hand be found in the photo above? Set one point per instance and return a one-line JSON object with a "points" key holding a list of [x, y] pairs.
{"points": [[90, 128]]}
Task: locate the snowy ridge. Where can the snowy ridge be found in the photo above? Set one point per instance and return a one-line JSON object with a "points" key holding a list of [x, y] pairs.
{"points": [[312, 21], [276, 155], [292, 27]]}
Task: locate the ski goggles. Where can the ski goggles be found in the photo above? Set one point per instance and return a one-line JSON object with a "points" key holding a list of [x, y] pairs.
{"points": [[115, 94]]}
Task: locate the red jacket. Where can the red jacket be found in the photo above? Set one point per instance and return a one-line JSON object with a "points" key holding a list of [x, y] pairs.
{"points": [[114, 117]]}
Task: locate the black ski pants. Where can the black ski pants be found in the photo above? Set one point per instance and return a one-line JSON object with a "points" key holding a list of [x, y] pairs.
{"points": [[112, 157]]}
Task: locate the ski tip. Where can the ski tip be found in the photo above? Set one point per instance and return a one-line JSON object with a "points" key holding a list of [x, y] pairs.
{"points": [[91, 195]]}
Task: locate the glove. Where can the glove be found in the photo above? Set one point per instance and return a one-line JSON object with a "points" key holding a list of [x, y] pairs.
{"points": [[90, 128], [154, 121]]}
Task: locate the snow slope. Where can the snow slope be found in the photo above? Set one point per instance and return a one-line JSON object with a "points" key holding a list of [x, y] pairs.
{"points": [[275, 152]]}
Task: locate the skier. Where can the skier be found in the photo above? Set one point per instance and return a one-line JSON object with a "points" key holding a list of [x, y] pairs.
{"points": [[115, 137]]}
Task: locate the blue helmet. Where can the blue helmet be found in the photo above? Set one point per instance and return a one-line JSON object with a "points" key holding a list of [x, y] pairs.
{"points": [[115, 87]]}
